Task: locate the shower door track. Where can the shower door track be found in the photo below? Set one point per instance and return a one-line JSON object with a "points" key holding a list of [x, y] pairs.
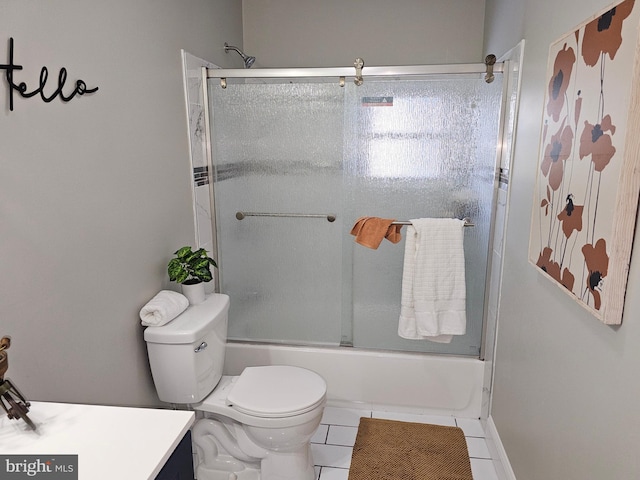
{"points": [[348, 72]]}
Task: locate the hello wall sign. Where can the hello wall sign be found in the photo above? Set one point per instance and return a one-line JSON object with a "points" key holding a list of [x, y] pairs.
{"points": [[80, 88]]}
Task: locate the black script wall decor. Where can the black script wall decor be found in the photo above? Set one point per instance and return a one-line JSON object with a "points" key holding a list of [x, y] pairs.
{"points": [[22, 88]]}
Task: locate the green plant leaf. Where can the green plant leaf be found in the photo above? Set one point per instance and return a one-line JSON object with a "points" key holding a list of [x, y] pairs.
{"points": [[200, 263], [203, 274], [174, 269], [182, 276], [183, 252]]}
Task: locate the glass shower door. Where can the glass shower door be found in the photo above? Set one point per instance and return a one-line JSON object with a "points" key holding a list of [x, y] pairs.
{"points": [[277, 149], [414, 149], [396, 148]]}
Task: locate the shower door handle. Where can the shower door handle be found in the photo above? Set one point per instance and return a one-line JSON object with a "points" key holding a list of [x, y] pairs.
{"points": [[329, 216]]}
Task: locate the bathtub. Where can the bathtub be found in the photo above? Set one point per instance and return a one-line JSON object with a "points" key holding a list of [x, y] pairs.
{"points": [[375, 380]]}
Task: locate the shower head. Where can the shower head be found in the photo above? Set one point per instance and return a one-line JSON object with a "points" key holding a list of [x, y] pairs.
{"points": [[248, 61]]}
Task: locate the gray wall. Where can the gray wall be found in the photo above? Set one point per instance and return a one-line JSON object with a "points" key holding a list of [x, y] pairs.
{"points": [[327, 33], [95, 194], [566, 386], [503, 25]]}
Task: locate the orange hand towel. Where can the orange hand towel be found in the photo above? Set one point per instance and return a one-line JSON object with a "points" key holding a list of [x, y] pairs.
{"points": [[393, 233], [369, 231]]}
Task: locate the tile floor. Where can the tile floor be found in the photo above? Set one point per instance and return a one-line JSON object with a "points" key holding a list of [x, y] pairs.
{"points": [[333, 442]]}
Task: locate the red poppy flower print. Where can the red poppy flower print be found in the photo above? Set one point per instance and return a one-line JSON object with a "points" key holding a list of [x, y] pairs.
{"points": [[567, 279], [546, 264], [577, 108], [571, 217], [552, 269], [604, 34], [562, 68], [555, 153], [597, 262], [546, 202], [595, 142]]}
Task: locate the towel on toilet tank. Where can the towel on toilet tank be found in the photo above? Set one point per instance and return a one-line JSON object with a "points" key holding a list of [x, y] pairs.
{"points": [[433, 304], [163, 308]]}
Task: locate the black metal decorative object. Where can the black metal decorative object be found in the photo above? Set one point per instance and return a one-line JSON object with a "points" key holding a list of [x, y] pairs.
{"points": [[12, 401], [22, 88]]}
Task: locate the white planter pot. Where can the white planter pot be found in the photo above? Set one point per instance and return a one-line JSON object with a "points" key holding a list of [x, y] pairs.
{"points": [[194, 292]]}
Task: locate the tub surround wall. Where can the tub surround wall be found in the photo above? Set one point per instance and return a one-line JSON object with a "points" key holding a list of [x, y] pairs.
{"points": [[513, 79], [198, 147]]}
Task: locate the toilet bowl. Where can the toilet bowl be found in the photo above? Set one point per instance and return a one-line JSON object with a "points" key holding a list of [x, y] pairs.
{"points": [[255, 426], [273, 436]]}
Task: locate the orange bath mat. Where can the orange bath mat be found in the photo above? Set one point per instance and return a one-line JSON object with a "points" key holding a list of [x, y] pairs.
{"points": [[391, 450]]}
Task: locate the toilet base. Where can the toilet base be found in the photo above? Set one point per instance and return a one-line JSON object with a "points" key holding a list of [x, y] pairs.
{"points": [[288, 466], [226, 452], [307, 473], [204, 473]]}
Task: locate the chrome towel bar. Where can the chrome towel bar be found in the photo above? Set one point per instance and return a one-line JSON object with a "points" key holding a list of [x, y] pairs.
{"points": [[467, 223]]}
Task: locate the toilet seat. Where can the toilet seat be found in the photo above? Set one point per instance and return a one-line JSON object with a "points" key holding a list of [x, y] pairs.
{"points": [[216, 403], [276, 391]]}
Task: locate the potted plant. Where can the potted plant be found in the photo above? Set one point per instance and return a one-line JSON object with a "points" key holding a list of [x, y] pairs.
{"points": [[191, 269]]}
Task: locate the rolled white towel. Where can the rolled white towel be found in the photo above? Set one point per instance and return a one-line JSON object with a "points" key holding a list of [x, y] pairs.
{"points": [[163, 308]]}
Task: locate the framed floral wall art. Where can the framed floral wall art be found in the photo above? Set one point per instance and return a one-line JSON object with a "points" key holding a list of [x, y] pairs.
{"points": [[586, 195]]}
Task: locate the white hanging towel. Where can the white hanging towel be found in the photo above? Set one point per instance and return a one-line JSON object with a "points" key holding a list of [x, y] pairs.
{"points": [[433, 305]]}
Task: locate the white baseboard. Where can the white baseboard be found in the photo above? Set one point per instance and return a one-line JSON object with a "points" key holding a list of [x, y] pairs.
{"points": [[498, 453]]}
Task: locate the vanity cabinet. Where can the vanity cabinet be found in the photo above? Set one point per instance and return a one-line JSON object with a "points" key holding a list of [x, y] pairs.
{"points": [[110, 442], [180, 463]]}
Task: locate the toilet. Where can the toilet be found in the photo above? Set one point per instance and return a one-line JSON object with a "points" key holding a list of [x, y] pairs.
{"points": [[255, 426]]}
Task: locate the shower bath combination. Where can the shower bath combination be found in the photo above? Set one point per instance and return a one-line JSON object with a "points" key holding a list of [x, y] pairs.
{"points": [[248, 60], [303, 144], [329, 152], [335, 149]]}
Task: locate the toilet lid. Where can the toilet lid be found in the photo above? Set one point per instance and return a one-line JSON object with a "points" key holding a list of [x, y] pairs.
{"points": [[277, 391]]}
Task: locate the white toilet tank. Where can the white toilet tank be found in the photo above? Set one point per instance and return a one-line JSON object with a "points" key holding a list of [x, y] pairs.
{"points": [[187, 354]]}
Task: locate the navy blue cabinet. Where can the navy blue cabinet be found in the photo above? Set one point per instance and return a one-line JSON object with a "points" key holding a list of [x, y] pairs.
{"points": [[180, 464]]}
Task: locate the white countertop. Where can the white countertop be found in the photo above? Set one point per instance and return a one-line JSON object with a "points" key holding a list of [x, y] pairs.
{"points": [[111, 442]]}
